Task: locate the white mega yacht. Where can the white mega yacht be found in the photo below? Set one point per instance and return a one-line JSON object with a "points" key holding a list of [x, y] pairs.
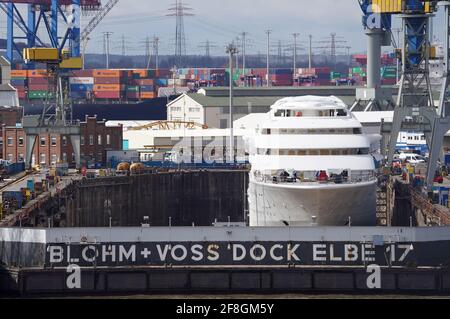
{"points": [[311, 165]]}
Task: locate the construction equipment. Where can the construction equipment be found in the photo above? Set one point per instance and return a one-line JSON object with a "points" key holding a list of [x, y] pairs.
{"points": [[95, 21], [415, 109], [50, 13], [49, 121]]}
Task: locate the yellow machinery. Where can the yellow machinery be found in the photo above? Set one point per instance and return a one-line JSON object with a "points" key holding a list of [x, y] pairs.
{"points": [[398, 6], [52, 56]]}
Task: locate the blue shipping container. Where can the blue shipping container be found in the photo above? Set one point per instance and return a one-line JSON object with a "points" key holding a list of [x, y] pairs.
{"points": [[81, 87], [78, 95], [18, 82], [161, 82], [146, 88]]}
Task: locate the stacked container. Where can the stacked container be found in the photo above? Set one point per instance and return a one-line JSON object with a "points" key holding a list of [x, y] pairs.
{"points": [[358, 74], [19, 80], [38, 85], [281, 77], [81, 84], [107, 84], [389, 75], [142, 86]]}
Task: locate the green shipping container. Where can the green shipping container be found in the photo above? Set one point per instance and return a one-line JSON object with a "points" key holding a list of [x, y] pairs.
{"points": [[32, 95], [358, 70], [133, 88], [335, 75]]}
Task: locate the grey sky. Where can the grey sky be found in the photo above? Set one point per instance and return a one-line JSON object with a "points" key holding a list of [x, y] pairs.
{"points": [[220, 21]]}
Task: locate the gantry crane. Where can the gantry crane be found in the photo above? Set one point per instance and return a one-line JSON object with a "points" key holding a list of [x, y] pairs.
{"points": [[49, 13], [415, 109], [50, 122]]}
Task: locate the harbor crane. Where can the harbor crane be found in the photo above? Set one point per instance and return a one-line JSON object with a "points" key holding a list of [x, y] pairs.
{"points": [[49, 13], [414, 109], [59, 60], [54, 114]]}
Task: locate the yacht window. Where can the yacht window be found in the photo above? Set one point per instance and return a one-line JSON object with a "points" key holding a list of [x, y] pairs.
{"points": [[313, 152], [335, 152], [301, 152], [341, 112], [324, 152], [291, 152], [280, 113]]}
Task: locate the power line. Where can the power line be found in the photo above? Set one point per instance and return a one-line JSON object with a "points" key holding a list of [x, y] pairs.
{"points": [[295, 35], [106, 38], [180, 11], [244, 48], [268, 32]]}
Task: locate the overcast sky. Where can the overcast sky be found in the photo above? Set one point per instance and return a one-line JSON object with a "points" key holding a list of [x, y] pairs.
{"points": [[220, 21]]}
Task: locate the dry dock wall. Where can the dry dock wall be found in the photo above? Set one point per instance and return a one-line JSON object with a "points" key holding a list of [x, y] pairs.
{"points": [[207, 259], [198, 197]]}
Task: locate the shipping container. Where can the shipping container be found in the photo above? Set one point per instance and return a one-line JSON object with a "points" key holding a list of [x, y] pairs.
{"points": [[146, 88], [81, 87], [147, 95], [82, 73], [106, 73], [36, 73], [107, 87], [133, 95], [81, 80], [19, 73], [107, 94], [15, 82], [38, 87], [37, 80], [143, 82], [107, 80], [132, 88], [140, 74], [79, 95], [39, 95]]}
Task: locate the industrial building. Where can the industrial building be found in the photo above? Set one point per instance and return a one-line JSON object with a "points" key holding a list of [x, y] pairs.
{"points": [[96, 139], [210, 106]]}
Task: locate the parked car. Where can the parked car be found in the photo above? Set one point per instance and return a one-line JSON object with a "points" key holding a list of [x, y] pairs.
{"points": [[412, 158]]}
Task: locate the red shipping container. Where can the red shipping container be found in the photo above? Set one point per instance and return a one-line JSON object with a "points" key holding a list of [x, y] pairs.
{"points": [[82, 73], [40, 81], [107, 94], [38, 87], [133, 95], [141, 82], [107, 80], [388, 81]]}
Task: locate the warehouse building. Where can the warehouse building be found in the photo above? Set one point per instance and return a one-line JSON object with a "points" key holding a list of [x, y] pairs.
{"points": [[96, 139]]}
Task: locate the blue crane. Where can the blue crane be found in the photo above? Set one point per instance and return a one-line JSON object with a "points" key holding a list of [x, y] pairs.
{"points": [[415, 109]]}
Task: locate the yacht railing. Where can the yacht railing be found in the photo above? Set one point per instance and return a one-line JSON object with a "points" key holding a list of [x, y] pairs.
{"points": [[321, 177]]}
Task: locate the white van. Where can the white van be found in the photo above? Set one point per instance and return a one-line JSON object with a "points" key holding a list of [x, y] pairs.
{"points": [[411, 158]]}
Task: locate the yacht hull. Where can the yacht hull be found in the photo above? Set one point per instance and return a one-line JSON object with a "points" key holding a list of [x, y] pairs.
{"points": [[312, 205]]}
